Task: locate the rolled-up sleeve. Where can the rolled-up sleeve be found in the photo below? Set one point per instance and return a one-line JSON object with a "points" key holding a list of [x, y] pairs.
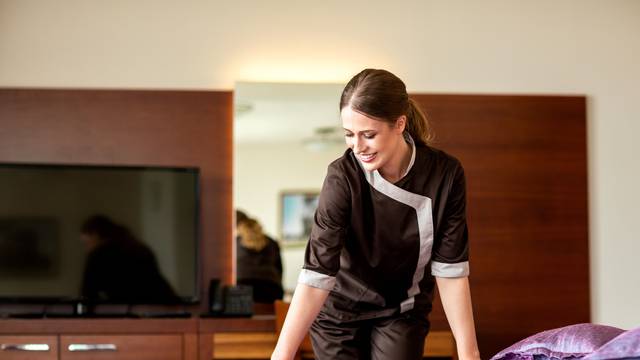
{"points": [[329, 231], [450, 257]]}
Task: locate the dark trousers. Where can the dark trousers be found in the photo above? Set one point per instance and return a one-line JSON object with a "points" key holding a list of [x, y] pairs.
{"points": [[396, 337]]}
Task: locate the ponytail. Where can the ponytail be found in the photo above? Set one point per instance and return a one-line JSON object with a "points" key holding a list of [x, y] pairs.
{"points": [[417, 124]]}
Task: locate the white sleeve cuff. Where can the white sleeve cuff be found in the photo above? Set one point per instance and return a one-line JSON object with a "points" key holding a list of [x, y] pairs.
{"points": [[316, 280], [444, 270]]}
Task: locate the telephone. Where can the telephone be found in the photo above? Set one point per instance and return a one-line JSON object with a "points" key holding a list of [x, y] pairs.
{"points": [[230, 300]]}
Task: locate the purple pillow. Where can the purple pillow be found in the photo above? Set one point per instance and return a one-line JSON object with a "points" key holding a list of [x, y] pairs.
{"points": [[574, 341], [623, 346]]}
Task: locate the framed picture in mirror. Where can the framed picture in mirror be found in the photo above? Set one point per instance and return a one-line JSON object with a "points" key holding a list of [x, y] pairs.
{"points": [[297, 208]]}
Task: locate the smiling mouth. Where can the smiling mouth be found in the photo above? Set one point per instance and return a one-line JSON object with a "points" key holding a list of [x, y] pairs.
{"points": [[367, 157]]}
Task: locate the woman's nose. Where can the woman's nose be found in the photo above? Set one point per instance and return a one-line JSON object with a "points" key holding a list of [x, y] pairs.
{"points": [[358, 145]]}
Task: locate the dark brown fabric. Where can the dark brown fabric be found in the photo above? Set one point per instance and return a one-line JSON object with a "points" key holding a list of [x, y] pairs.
{"points": [[369, 242], [396, 337]]}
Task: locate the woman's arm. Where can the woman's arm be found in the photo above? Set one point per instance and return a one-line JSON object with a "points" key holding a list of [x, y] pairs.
{"points": [[305, 306], [456, 301]]}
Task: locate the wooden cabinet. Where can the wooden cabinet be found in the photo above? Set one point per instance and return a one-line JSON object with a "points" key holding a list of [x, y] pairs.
{"points": [[245, 345], [260, 345], [157, 339], [99, 339], [28, 347], [121, 347], [122, 339], [97, 347]]}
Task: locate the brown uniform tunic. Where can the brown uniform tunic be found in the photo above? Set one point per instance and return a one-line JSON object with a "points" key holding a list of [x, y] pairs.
{"points": [[377, 246]]}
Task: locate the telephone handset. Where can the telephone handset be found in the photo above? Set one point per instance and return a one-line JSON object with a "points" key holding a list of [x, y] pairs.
{"points": [[230, 300]]}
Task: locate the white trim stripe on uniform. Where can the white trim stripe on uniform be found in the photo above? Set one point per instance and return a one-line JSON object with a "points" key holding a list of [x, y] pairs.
{"points": [[316, 279], [450, 270], [422, 206]]}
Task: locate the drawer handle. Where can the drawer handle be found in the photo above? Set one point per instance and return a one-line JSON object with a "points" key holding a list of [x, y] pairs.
{"points": [[24, 347], [93, 347]]}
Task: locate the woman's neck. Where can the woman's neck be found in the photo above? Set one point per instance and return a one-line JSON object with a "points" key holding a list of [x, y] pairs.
{"points": [[397, 166]]}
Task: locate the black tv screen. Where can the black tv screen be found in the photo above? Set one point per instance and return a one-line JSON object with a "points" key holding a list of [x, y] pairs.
{"points": [[105, 234]]}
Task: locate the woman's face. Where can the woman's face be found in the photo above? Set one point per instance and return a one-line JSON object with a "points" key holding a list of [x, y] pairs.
{"points": [[374, 142]]}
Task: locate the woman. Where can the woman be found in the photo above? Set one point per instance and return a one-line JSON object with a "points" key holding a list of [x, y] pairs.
{"points": [[390, 224], [258, 260]]}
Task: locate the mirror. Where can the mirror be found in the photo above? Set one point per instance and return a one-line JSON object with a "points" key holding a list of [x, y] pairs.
{"points": [[285, 136]]}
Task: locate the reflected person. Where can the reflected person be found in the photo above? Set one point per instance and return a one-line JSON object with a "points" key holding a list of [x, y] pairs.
{"points": [[120, 268], [258, 260]]}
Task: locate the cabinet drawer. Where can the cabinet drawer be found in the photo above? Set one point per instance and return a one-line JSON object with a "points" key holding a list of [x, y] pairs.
{"points": [[28, 347], [249, 345], [121, 347]]}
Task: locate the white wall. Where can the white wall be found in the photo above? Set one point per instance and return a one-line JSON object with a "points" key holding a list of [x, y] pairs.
{"points": [[546, 46]]}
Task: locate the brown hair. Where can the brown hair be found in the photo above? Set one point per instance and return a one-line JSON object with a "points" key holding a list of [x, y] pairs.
{"points": [[250, 232], [382, 95]]}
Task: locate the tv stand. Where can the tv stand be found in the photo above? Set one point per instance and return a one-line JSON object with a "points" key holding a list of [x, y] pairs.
{"points": [[101, 315], [28, 315], [165, 315], [82, 311], [135, 339]]}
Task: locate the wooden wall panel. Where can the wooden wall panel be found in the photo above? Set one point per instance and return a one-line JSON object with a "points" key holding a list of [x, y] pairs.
{"points": [[525, 159], [131, 127]]}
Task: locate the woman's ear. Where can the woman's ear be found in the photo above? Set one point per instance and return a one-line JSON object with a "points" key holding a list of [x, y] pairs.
{"points": [[401, 124]]}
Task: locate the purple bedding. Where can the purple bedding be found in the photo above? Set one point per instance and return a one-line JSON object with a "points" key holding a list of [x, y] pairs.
{"points": [[623, 346], [580, 341]]}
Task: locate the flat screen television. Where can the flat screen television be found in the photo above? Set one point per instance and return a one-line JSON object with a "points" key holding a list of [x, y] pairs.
{"points": [[101, 234]]}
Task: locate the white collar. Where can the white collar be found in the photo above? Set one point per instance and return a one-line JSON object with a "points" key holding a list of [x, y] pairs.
{"points": [[371, 175], [409, 139]]}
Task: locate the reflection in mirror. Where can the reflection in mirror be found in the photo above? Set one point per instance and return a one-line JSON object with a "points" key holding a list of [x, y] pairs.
{"points": [[135, 279], [285, 136]]}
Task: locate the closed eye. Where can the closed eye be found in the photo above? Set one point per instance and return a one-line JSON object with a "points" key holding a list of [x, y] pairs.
{"points": [[365, 135]]}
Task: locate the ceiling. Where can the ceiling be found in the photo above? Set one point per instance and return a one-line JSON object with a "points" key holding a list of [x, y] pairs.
{"points": [[285, 112]]}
